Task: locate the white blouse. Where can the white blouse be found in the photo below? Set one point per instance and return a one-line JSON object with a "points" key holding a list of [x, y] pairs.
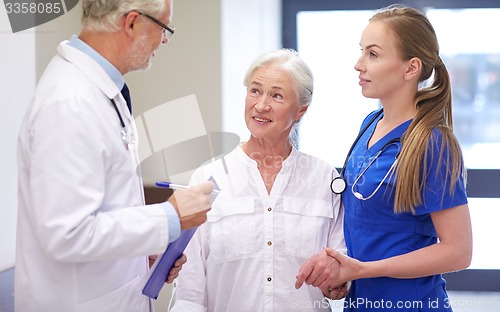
{"points": [[248, 253]]}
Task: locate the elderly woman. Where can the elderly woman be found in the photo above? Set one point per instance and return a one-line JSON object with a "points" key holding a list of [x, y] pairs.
{"points": [[275, 209]]}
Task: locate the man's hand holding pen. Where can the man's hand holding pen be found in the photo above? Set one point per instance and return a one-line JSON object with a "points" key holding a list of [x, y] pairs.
{"points": [[192, 204]]}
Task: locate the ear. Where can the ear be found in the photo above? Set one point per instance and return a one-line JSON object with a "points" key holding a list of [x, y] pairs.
{"points": [[414, 68], [129, 22], [301, 112]]}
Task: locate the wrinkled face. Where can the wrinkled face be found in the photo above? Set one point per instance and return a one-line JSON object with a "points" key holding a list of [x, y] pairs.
{"points": [[271, 104], [380, 66]]}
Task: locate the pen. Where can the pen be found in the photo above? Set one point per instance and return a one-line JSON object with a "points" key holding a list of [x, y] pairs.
{"points": [[175, 186]]}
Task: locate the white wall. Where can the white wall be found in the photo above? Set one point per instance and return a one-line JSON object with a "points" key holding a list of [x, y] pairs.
{"points": [[17, 81], [249, 28]]}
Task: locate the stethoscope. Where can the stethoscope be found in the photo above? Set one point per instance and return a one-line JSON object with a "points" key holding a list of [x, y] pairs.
{"points": [[128, 136], [338, 185], [360, 196]]}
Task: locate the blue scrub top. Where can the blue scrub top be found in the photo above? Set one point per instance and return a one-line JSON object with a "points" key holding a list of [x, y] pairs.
{"points": [[373, 231]]}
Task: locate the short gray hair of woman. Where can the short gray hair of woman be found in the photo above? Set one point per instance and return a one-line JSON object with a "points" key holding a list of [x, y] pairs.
{"points": [[104, 15], [293, 65]]}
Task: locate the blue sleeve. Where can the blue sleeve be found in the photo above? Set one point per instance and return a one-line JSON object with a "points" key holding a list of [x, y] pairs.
{"points": [[174, 225], [436, 194]]}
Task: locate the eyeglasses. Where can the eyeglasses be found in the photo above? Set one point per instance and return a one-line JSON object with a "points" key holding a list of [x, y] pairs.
{"points": [[168, 31]]}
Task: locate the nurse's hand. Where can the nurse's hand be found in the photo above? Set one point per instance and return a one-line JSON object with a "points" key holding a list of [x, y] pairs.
{"points": [[350, 268], [193, 204], [320, 270]]}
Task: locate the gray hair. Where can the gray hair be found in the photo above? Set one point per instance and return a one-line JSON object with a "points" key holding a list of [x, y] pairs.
{"points": [[297, 69], [103, 15]]}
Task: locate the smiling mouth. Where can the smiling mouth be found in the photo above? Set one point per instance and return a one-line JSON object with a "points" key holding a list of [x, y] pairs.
{"points": [[261, 119]]}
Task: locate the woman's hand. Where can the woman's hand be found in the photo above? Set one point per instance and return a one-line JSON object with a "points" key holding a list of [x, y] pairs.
{"points": [[349, 268]]}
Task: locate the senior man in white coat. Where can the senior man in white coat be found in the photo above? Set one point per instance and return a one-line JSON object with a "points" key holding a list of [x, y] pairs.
{"points": [[84, 232]]}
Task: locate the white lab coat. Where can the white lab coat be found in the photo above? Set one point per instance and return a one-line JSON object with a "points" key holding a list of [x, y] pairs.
{"points": [[83, 229]]}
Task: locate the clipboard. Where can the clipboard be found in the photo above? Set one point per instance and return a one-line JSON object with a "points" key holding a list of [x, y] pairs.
{"points": [[158, 273], [165, 262]]}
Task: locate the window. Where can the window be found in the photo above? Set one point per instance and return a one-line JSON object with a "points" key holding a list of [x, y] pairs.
{"points": [[473, 62]]}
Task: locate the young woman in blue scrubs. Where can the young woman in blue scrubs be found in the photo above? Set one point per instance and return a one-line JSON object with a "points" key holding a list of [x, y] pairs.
{"points": [[406, 214]]}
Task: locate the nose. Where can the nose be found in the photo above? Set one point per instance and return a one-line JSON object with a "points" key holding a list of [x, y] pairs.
{"points": [[359, 65], [164, 38], [262, 105]]}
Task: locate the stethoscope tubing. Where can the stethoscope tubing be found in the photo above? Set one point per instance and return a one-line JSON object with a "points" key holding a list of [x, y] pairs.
{"points": [[358, 195], [338, 185], [118, 113]]}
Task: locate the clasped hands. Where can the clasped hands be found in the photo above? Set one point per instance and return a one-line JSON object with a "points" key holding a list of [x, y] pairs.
{"points": [[329, 271]]}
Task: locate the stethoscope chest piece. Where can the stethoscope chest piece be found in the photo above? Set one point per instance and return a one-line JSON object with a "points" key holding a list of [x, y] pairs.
{"points": [[338, 185], [127, 134], [128, 138]]}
